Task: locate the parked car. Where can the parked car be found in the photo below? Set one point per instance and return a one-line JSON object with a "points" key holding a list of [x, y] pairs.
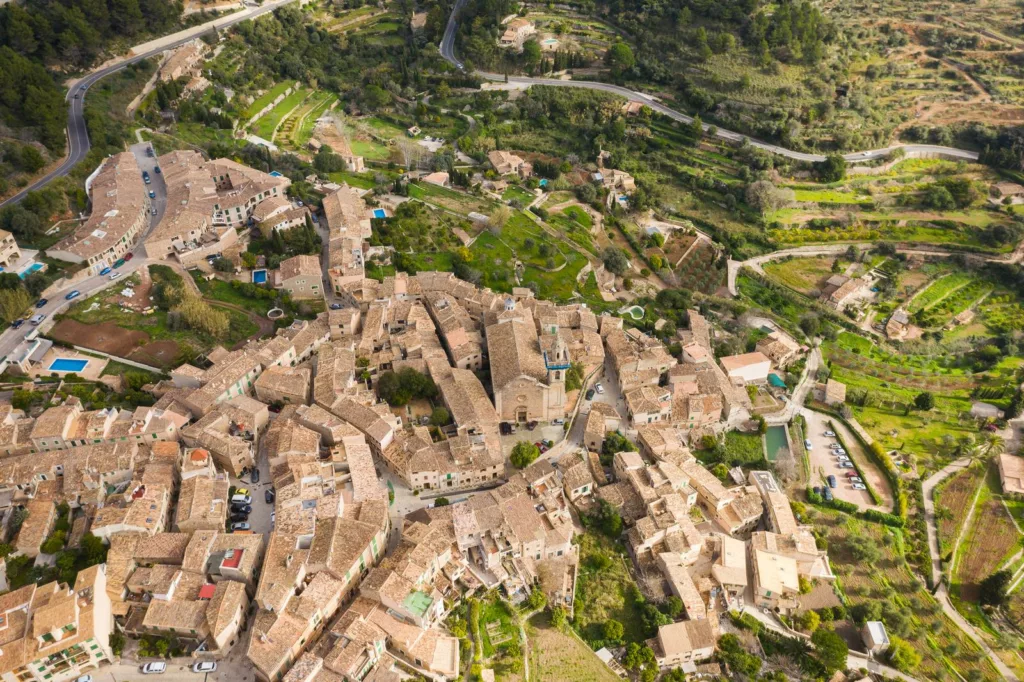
{"points": [[827, 494], [830, 434], [73, 294], [17, 323], [241, 499], [559, 422], [104, 271], [129, 256], [255, 476], [807, 443], [851, 474], [156, 169], [145, 177], [84, 678], [239, 517], [817, 490], [599, 388], [856, 479], [859, 486], [505, 428], [41, 302], [831, 481], [36, 319], [273, 518], [846, 465], [268, 496], [152, 211], [115, 274], [241, 525], [531, 425], [336, 306], [118, 263], [154, 668], [152, 194], [242, 491], [204, 667], [590, 394], [241, 508]]}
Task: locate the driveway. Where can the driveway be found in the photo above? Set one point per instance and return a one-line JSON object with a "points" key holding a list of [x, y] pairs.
{"points": [[824, 463]]}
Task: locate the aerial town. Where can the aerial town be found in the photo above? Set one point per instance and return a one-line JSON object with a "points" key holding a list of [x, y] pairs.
{"points": [[511, 342]]}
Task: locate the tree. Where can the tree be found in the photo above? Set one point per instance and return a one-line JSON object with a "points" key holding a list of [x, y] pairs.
{"points": [[524, 453], [94, 551], [832, 169], [574, 376], [441, 502], [223, 265], [808, 621], [993, 588], [531, 53], [54, 543], [398, 388], [13, 303], [537, 599], [613, 630], [924, 401], [248, 259], [830, 649], [764, 196], [559, 618], [902, 655], [607, 519], [440, 416], [615, 260], [498, 218], [619, 58]]}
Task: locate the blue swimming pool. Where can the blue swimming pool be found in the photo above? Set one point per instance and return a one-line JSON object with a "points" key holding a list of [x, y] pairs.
{"points": [[379, 213], [68, 365], [35, 267], [259, 276]]}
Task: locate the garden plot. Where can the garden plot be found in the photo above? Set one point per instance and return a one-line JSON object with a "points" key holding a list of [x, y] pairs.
{"points": [[267, 125], [990, 540], [955, 496], [805, 275]]}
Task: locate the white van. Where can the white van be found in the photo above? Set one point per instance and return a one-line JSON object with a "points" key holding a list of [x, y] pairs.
{"points": [[36, 319], [241, 499]]}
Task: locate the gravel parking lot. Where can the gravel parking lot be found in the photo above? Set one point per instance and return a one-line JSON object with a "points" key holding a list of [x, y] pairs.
{"points": [[823, 462]]}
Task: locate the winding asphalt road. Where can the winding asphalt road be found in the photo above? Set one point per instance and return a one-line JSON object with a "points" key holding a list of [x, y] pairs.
{"points": [[78, 134], [447, 49]]}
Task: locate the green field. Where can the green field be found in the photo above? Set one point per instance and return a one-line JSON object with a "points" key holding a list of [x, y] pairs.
{"points": [[266, 98], [268, 123]]}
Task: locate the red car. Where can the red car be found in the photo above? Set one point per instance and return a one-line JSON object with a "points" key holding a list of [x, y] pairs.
{"points": [[129, 256], [852, 474]]}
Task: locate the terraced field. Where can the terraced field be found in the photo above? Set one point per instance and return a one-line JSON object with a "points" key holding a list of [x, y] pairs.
{"points": [[298, 127], [267, 124]]}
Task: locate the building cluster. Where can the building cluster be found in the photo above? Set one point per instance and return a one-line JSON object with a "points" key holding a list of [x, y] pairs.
{"points": [[186, 62], [206, 202], [332, 591], [120, 213]]}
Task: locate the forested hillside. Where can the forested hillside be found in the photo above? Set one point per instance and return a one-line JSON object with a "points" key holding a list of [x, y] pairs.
{"points": [[42, 41]]}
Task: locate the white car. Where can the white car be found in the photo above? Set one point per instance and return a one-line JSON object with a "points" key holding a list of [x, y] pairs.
{"points": [[859, 486], [115, 274], [204, 667], [84, 678], [842, 458], [846, 465], [154, 668], [599, 388], [807, 443], [830, 434]]}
